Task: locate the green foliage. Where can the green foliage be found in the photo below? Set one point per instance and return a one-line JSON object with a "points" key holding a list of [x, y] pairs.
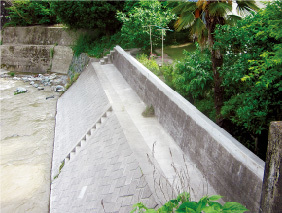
{"points": [[12, 74], [24, 13], [149, 112], [151, 64], [193, 75], [252, 69], [94, 45], [135, 23], [89, 14], [182, 204], [72, 80], [60, 168]]}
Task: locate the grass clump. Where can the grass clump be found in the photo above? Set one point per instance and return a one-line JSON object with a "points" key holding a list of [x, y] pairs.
{"points": [[72, 80], [149, 112], [12, 74], [151, 64], [60, 168]]}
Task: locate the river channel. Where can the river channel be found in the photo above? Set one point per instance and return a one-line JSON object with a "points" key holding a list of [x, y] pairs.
{"points": [[27, 132]]}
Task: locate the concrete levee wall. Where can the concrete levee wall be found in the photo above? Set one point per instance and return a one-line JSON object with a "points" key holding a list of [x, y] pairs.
{"points": [[234, 171]]}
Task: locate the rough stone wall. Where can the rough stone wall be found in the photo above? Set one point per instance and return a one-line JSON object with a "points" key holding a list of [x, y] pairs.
{"points": [[234, 171], [78, 64]]}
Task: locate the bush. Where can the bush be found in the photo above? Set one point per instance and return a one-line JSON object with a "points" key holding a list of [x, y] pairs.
{"points": [[151, 64], [90, 15], [183, 204]]}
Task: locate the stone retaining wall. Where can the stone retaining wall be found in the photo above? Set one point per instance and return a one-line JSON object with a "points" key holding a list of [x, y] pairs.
{"points": [[234, 171]]}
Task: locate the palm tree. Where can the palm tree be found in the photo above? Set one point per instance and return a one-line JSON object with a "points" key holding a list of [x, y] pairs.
{"points": [[201, 17]]}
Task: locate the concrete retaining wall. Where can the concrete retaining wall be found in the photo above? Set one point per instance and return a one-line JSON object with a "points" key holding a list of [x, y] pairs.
{"points": [[234, 171], [31, 58], [38, 35], [36, 49]]}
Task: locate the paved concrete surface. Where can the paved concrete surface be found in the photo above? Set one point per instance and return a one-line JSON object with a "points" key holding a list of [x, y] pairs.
{"points": [[113, 156]]}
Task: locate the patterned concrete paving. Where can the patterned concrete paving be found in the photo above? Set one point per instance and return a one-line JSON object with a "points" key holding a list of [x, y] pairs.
{"points": [[110, 156], [100, 172], [103, 171]]}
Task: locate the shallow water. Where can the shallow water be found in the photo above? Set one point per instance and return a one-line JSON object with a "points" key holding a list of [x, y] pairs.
{"points": [[27, 131]]}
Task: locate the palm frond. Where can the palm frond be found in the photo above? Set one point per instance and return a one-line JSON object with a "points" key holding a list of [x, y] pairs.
{"points": [[184, 21], [219, 8], [198, 27], [185, 6], [245, 7], [232, 19]]}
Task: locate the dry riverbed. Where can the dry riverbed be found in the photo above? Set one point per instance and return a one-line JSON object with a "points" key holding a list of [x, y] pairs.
{"points": [[27, 131]]}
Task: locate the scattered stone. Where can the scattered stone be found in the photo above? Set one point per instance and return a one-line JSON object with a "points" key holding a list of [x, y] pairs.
{"points": [[20, 90], [47, 84], [31, 79], [40, 88], [59, 88], [45, 79], [31, 83], [57, 81], [25, 79], [53, 76], [52, 96], [16, 78], [35, 85]]}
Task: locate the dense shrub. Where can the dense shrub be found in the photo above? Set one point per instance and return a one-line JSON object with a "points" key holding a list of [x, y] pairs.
{"points": [[90, 15], [24, 13]]}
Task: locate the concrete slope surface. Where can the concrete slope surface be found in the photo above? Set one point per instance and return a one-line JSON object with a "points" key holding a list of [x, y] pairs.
{"points": [[107, 156]]}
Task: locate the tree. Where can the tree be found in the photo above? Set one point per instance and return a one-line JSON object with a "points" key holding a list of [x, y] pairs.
{"points": [[24, 13], [90, 15], [136, 20], [252, 70], [202, 16]]}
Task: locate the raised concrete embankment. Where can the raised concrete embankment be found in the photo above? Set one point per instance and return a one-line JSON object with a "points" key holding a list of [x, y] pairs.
{"points": [[36, 49], [100, 172], [233, 171]]}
